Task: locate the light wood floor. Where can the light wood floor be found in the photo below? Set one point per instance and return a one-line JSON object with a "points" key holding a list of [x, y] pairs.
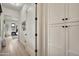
{"points": [[13, 48]]}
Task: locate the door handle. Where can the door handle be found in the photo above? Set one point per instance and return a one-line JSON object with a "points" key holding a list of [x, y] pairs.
{"points": [[66, 18], [66, 26], [63, 19], [63, 26]]}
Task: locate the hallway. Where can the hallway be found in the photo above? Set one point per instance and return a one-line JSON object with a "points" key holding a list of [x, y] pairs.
{"points": [[13, 48], [17, 29]]}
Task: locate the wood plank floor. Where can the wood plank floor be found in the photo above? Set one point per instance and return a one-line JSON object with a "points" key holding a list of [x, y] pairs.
{"points": [[13, 48]]}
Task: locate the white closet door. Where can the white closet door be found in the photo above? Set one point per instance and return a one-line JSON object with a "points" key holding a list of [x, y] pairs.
{"points": [[30, 30], [56, 12], [73, 12], [56, 40], [50, 41], [74, 39]]}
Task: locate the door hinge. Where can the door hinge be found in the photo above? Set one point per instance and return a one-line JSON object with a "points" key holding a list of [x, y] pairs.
{"points": [[35, 18], [35, 34], [35, 50]]}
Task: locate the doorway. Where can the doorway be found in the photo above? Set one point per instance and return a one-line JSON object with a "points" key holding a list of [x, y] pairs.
{"points": [[19, 29]]}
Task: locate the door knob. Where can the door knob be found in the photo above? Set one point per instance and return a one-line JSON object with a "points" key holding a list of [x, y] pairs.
{"points": [[63, 19], [66, 18], [66, 26], [63, 26]]}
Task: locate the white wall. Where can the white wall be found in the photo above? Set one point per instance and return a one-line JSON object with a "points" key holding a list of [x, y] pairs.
{"points": [[42, 29], [39, 29]]}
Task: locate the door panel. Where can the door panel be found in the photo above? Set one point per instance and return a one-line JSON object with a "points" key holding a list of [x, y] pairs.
{"points": [[56, 40], [56, 12], [59, 39], [73, 12], [50, 41], [63, 41], [74, 39], [29, 32]]}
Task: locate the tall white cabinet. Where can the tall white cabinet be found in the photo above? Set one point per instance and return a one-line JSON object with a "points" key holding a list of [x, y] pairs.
{"points": [[63, 29], [56, 40]]}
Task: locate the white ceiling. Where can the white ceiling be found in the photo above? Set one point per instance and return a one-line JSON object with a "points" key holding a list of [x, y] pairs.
{"points": [[16, 6]]}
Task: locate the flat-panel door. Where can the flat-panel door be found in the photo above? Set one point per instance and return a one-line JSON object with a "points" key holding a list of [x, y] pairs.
{"points": [[73, 39], [56, 13], [28, 29], [31, 29], [73, 13], [56, 40]]}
